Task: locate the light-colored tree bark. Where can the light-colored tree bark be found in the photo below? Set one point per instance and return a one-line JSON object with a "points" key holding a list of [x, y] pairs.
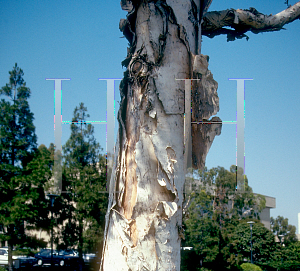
{"points": [[143, 223], [143, 227], [217, 22]]}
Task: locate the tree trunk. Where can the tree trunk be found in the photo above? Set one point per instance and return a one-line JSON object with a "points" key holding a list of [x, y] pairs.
{"points": [[80, 246], [143, 223], [10, 230]]}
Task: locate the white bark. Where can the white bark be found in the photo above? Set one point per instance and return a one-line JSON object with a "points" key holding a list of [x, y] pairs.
{"points": [[215, 22], [143, 223]]}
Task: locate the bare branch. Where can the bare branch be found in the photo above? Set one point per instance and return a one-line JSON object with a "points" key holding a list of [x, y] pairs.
{"points": [[217, 22]]}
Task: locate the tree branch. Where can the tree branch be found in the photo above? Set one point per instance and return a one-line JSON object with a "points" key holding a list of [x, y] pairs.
{"points": [[217, 22]]}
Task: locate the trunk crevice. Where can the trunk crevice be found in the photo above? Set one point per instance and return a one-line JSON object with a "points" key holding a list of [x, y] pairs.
{"points": [[144, 218]]}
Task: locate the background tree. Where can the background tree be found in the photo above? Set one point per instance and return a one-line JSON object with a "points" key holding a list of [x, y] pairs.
{"points": [[22, 170], [284, 258], [267, 253], [280, 226], [84, 176], [146, 188], [263, 243], [202, 231], [215, 210], [288, 258]]}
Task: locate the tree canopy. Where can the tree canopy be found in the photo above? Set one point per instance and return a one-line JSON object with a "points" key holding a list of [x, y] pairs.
{"points": [[23, 167], [284, 232], [214, 213], [84, 178], [216, 228]]}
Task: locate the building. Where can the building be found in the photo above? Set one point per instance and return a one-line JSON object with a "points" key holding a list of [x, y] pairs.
{"points": [[265, 216]]}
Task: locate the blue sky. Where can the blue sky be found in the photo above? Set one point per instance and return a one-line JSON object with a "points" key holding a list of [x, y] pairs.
{"points": [[81, 40]]}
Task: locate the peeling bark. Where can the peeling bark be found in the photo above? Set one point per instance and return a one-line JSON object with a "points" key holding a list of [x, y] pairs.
{"points": [[205, 103], [143, 223], [215, 22]]}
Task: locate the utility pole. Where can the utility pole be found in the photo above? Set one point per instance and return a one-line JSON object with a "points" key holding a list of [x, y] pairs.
{"points": [[52, 199], [251, 224]]}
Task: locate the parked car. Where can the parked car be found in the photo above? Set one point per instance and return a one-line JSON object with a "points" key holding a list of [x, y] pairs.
{"points": [[24, 261], [60, 258], [70, 252], [92, 261]]}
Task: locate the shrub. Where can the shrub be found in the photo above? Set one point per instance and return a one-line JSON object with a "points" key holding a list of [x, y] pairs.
{"points": [[250, 267], [24, 251]]}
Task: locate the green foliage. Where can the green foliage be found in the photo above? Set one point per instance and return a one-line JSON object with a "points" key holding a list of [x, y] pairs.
{"points": [[281, 228], [286, 257], [18, 139], [84, 175], [23, 168], [25, 252], [202, 230], [93, 238], [214, 213], [250, 267], [263, 244], [216, 226]]}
